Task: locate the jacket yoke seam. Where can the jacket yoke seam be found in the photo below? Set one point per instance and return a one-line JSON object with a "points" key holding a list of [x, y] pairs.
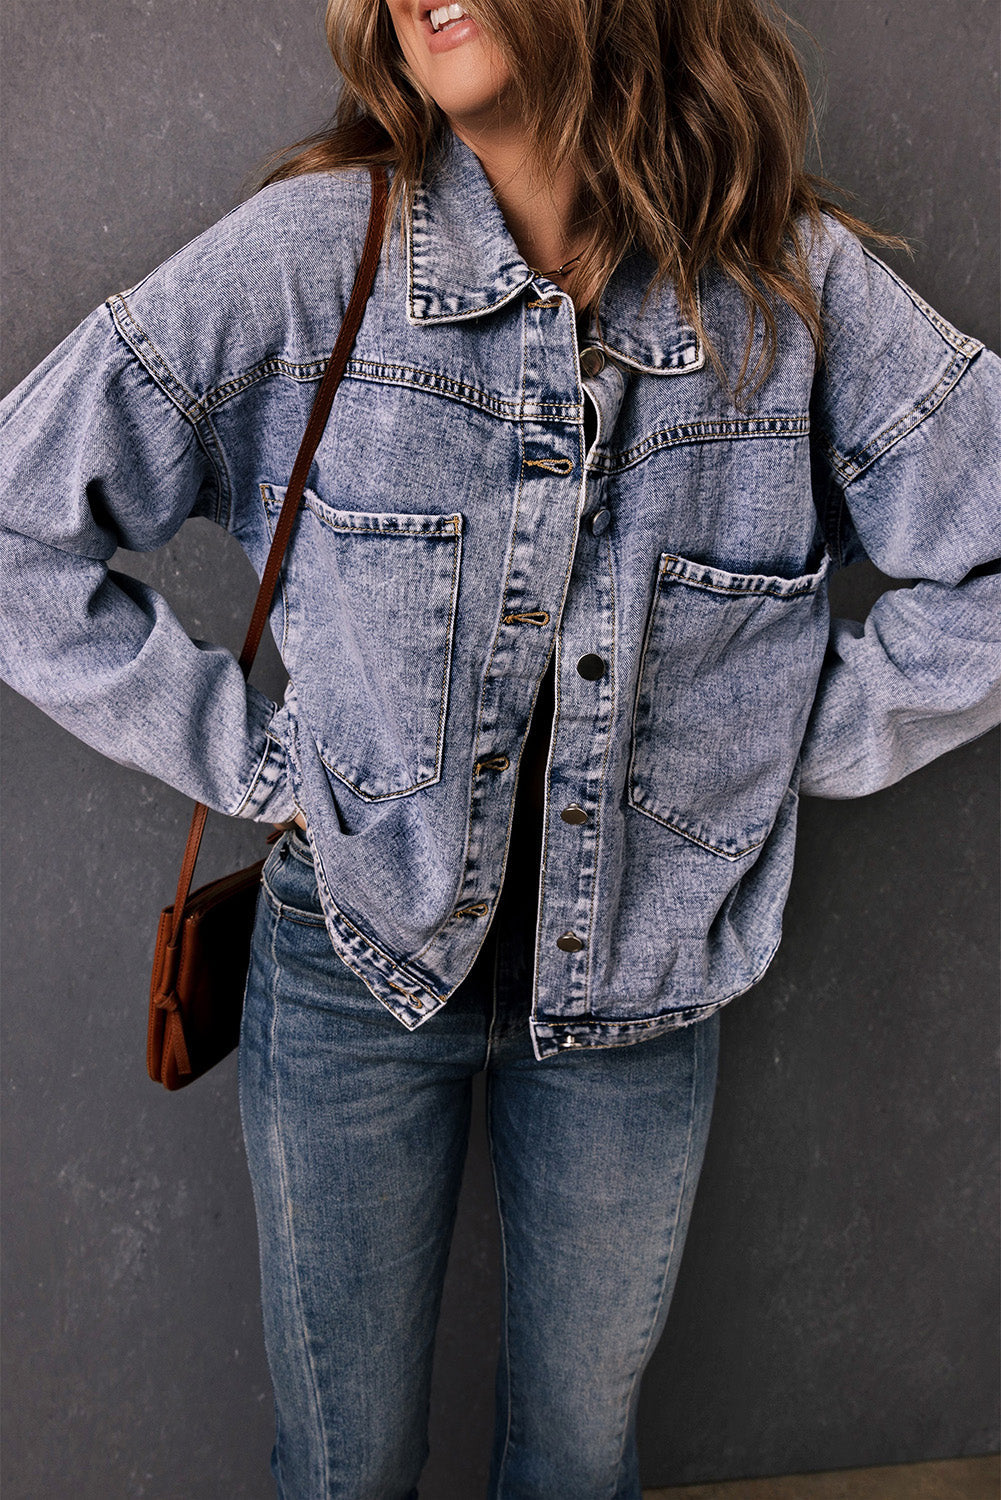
{"points": [[445, 385], [687, 433], [417, 377], [274, 365]]}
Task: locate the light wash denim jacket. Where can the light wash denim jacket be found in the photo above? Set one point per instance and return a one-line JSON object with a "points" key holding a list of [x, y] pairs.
{"points": [[455, 533]]}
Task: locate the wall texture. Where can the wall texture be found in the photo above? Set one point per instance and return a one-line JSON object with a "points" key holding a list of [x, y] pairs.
{"points": [[837, 1301]]}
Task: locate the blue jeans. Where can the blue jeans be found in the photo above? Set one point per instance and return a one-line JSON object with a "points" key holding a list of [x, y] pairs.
{"points": [[356, 1134]]}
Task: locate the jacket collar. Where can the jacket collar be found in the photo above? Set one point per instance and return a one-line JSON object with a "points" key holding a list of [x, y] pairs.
{"points": [[462, 262]]}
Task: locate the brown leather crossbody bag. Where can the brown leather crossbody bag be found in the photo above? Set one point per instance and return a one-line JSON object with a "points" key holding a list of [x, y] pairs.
{"points": [[203, 939]]}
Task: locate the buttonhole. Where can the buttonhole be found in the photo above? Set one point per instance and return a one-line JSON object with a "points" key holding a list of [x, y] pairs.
{"points": [[528, 617], [491, 763], [554, 465]]}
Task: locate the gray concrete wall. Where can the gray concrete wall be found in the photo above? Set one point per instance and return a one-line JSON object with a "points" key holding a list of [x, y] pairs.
{"points": [[837, 1304]]}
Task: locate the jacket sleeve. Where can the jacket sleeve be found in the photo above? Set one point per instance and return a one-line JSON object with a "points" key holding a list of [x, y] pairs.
{"points": [[906, 419], [97, 454]]}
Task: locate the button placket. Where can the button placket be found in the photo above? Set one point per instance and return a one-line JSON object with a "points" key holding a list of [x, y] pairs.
{"points": [[538, 568], [582, 746], [567, 886], [536, 571]]}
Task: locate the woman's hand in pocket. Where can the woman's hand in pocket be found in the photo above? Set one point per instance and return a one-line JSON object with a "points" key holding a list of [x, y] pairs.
{"points": [[299, 820]]}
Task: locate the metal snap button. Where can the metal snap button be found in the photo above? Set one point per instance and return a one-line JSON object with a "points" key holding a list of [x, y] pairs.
{"points": [[592, 361], [573, 814], [569, 942], [591, 667], [600, 521]]}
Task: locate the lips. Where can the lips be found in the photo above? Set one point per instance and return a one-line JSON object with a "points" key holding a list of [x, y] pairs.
{"points": [[447, 14], [451, 36]]}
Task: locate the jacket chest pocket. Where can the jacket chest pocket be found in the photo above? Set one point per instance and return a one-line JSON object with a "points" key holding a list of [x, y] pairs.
{"points": [[728, 671], [369, 602]]}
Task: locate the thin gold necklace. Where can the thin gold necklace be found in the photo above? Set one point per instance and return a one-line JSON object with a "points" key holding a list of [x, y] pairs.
{"points": [[559, 270]]}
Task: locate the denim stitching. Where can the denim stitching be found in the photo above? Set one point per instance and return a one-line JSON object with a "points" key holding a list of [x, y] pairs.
{"points": [[291, 913], [554, 465], [267, 758], [450, 642], [613, 679], [640, 675], [145, 352], [367, 942], [295, 849], [506, 1347], [500, 299], [443, 706], [726, 430], [275, 364], [740, 585], [696, 1050], [657, 1025], [744, 585], [633, 798], [471, 804], [282, 909], [493, 1000], [139, 340], [444, 385], [263, 489], [538, 617], [283, 1189], [448, 528], [634, 801], [851, 466], [693, 1013], [556, 652], [952, 336]]}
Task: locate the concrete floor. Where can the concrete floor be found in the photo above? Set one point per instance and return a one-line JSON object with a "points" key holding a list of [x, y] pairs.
{"points": [[945, 1479]]}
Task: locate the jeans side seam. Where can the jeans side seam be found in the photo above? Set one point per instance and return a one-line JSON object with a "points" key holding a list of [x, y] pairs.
{"points": [[697, 1037], [290, 1232], [505, 1331], [493, 996]]}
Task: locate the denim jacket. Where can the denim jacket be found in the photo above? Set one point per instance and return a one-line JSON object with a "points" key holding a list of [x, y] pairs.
{"points": [[455, 533]]}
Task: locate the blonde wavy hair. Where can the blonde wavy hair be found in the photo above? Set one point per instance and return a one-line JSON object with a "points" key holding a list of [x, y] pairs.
{"points": [[687, 120]]}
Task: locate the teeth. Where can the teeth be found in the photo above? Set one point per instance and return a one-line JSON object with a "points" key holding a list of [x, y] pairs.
{"points": [[444, 14]]}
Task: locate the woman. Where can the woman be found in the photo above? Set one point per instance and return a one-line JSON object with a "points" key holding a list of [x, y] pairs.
{"points": [[560, 660]]}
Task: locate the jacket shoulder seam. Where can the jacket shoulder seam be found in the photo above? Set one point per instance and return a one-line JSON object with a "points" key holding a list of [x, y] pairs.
{"points": [[143, 348], [850, 466], [961, 342]]}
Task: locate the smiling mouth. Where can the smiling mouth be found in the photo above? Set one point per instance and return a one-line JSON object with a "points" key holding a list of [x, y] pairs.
{"points": [[444, 16]]}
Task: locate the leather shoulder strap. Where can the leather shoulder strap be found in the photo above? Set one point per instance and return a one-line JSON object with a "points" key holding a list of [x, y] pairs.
{"points": [[363, 283], [319, 414]]}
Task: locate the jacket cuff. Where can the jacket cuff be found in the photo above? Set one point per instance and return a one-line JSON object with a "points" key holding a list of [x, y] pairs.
{"points": [[269, 798]]}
